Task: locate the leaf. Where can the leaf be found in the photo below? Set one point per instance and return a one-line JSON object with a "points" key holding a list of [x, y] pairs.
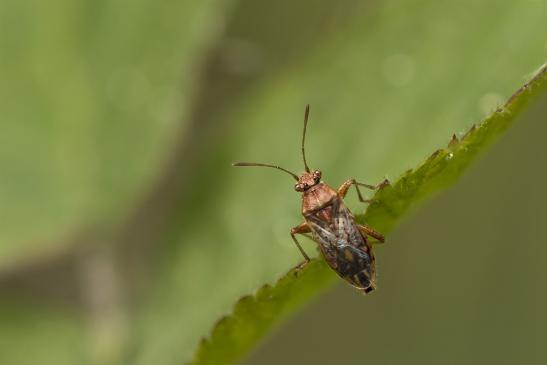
{"points": [[445, 166], [385, 89], [253, 316]]}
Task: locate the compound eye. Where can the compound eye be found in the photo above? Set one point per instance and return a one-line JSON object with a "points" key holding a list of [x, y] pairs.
{"points": [[298, 187], [317, 176]]}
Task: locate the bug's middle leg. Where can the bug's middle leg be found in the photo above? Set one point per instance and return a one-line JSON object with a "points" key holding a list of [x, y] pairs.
{"points": [[344, 188], [372, 233], [301, 229]]}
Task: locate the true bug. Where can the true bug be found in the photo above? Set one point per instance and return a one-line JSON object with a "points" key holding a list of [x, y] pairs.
{"points": [[342, 241]]}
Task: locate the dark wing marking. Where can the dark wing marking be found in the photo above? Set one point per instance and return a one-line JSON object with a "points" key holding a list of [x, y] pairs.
{"points": [[355, 265], [343, 245]]}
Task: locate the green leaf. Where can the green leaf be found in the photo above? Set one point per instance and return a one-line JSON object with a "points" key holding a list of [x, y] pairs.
{"points": [[253, 316], [444, 166], [385, 89]]}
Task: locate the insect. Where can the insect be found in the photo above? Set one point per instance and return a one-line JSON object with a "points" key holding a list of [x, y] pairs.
{"points": [[342, 241]]}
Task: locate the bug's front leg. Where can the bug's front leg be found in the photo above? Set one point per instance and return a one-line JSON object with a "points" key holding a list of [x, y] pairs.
{"points": [[301, 229], [372, 233], [343, 189]]}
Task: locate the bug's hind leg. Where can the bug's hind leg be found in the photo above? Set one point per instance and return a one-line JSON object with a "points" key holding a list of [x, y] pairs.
{"points": [[344, 188], [372, 233], [301, 229]]}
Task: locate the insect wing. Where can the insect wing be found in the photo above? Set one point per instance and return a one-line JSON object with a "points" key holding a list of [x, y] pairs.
{"points": [[344, 247], [334, 225]]}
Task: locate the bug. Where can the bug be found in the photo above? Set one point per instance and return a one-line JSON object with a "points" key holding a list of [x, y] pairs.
{"points": [[342, 241]]}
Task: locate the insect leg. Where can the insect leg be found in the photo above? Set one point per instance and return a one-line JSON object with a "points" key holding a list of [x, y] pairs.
{"points": [[372, 233], [343, 189], [301, 229]]}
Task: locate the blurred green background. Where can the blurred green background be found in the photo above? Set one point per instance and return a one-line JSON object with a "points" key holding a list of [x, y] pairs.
{"points": [[125, 233]]}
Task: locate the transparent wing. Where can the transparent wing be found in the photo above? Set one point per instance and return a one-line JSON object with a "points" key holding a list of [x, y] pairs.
{"points": [[334, 227]]}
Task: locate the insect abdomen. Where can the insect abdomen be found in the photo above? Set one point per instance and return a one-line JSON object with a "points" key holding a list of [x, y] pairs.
{"points": [[357, 266]]}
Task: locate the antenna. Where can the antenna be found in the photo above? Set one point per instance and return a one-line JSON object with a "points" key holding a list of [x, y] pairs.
{"points": [[265, 165], [306, 114]]}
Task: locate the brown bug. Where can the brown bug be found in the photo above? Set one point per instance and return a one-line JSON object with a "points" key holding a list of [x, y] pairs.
{"points": [[343, 242]]}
